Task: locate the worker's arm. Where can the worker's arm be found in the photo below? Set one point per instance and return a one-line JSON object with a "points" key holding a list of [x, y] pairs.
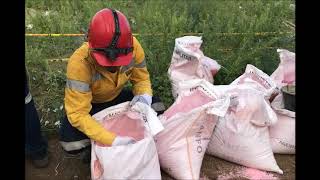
{"points": [[140, 77], [77, 102]]}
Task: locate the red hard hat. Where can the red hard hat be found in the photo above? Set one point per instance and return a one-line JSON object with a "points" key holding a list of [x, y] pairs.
{"points": [[110, 38]]}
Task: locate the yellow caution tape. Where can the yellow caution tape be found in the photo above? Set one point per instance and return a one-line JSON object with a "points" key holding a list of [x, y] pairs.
{"points": [[223, 50], [58, 60], [54, 35], [159, 34]]}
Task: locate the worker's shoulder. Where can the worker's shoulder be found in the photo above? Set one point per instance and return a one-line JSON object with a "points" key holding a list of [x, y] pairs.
{"points": [[136, 44], [81, 53], [80, 56], [78, 65], [138, 51]]}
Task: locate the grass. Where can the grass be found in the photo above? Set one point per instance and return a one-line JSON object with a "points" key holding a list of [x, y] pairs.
{"points": [[172, 19]]}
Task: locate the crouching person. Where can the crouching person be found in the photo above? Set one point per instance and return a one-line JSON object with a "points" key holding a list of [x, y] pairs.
{"points": [[96, 75]]}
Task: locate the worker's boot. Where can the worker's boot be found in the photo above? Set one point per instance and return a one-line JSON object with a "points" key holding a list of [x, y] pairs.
{"points": [[84, 154], [40, 161]]}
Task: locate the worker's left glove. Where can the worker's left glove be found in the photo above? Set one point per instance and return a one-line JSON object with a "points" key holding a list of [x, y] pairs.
{"points": [[144, 98]]}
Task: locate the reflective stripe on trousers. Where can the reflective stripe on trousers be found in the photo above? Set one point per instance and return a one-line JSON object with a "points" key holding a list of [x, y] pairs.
{"points": [[75, 145], [28, 98]]}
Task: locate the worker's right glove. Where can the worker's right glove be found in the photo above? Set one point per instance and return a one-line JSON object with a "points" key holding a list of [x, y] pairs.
{"points": [[122, 140], [144, 98]]}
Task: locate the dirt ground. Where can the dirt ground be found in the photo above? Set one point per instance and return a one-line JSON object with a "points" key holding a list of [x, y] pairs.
{"points": [[63, 167]]}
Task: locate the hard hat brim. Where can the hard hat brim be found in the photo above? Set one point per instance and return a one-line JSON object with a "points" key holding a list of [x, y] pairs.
{"points": [[122, 60]]}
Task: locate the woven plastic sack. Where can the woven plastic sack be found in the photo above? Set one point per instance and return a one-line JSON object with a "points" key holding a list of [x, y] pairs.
{"points": [[285, 73], [242, 135], [283, 133], [132, 161], [188, 62], [189, 123]]}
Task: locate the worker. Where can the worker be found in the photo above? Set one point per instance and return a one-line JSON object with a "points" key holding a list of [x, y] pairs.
{"points": [[36, 146], [97, 73]]}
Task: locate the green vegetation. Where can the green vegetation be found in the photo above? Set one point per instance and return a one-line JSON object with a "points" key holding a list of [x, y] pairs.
{"points": [[149, 18]]}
